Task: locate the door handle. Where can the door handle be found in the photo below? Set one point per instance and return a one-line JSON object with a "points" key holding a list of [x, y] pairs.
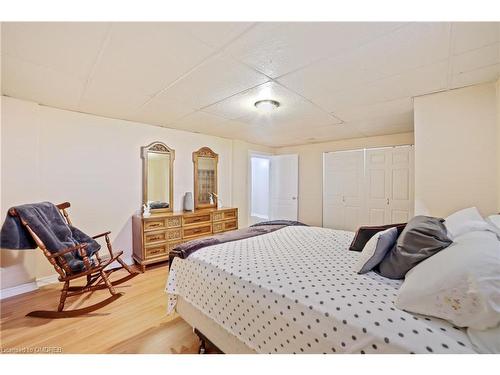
{"points": [[387, 201], [294, 198]]}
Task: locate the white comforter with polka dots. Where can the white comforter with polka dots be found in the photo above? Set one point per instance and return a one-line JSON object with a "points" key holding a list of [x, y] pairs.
{"points": [[295, 291]]}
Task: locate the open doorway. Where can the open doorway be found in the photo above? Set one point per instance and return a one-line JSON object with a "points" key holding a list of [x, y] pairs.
{"points": [[273, 187]]}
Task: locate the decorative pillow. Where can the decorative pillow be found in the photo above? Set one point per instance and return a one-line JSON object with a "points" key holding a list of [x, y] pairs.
{"points": [[375, 249], [460, 284], [463, 221], [495, 219], [363, 234], [422, 237]]}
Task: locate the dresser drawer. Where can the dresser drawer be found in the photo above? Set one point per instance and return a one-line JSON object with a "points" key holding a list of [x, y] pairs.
{"points": [[152, 224], [174, 234], [154, 251], [196, 231], [197, 219], [225, 215], [156, 236], [231, 224], [223, 226], [174, 222]]}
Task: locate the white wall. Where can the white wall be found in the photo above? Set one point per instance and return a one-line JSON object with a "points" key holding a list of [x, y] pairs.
{"points": [[311, 169], [92, 162], [456, 145], [241, 152], [260, 187], [498, 145]]}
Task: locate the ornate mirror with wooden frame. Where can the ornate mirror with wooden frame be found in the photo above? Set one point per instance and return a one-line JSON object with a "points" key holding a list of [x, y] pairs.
{"points": [[205, 178], [158, 176]]}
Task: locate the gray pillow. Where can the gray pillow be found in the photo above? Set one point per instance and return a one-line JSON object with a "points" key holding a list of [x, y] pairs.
{"points": [[422, 237], [386, 241]]}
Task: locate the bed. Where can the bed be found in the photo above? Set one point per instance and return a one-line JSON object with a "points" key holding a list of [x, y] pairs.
{"points": [[294, 291]]}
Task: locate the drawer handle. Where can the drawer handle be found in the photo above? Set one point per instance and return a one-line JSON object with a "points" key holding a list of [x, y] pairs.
{"points": [[154, 251], [155, 238], [154, 224]]}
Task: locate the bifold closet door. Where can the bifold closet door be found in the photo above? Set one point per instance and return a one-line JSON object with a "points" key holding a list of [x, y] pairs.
{"points": [[389, 185], [343, 197]]}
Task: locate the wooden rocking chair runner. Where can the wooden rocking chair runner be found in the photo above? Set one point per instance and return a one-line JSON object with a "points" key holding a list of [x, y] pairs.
{"points": [[95, 272]]}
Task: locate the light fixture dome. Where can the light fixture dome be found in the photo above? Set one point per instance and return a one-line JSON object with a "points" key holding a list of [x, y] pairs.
{"points": [[267, 104]]}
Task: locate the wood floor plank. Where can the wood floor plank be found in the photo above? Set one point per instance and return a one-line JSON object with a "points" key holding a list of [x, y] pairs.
{"points": [[135, 323]]}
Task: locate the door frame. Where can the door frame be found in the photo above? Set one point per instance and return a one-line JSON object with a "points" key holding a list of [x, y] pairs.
{"points": [[250, 154]]}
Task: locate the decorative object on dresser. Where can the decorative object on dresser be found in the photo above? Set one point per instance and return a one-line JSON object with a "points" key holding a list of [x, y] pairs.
{"points": [[157, 177], [72, 253], [188, 201], [205, 178], [154, 237]]}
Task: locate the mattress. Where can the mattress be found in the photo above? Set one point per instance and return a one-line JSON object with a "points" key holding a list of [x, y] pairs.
{"points": [[295, 291]]}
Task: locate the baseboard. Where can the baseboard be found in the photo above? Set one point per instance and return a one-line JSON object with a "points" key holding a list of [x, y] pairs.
{"points": [[47, 280], [38, 283], [18, 289]]}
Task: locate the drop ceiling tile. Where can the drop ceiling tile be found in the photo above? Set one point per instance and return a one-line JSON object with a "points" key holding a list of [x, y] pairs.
{"points": [[387, 130], [473, 77], [317, 134], [215, 34], [356, 113], [415, 82], [111, 101], [162, 110], [476, 59], [390, 124], [21, 79], [471, 35], [68, 47], [278, 48], [410, 47], [214, 80], [147, 56], [293, 111]]}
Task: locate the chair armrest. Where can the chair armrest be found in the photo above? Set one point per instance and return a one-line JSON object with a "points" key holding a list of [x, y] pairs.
{"points": [[68, 250], [102, 234]]}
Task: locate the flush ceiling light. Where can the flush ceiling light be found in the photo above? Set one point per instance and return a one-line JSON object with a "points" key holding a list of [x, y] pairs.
{"points": [[267, 105]]}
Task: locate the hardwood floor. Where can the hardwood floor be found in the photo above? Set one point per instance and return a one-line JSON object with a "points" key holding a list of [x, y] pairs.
{"points": [[135, 323]]}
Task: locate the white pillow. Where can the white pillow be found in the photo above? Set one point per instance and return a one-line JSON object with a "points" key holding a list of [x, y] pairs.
{"points": [[375, 249], [460, 283], [495, 219], [463, 221]]}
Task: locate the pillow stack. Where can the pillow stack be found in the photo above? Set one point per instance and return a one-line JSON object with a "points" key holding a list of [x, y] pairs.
{"points": [[461, 283], [394, 256]]}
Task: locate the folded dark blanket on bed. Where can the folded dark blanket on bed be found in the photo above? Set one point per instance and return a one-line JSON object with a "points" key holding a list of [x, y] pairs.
{"points": [[188, 248], [46, 221]]}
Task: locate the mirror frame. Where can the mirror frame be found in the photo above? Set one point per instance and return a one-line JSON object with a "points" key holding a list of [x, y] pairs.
{"points": [[204, 152], [157, 148]]}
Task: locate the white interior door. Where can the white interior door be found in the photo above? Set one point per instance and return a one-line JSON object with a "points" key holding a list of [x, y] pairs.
{"points": [[389, 185], [284, 181], [343, 197]]}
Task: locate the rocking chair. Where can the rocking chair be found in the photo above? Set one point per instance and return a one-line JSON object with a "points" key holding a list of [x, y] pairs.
{"points": [[95, 272]]}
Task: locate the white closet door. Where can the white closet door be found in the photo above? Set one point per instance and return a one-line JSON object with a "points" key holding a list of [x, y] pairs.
{"points": [[377, 186], [389, 185], [343, 197], [401, 194]]}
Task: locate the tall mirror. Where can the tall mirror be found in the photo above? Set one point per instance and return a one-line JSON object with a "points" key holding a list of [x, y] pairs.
{"points": [[157, 176], [205, 178]]}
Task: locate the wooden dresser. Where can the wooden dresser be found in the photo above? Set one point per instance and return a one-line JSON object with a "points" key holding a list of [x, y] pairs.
{"points": [[155, 236]]}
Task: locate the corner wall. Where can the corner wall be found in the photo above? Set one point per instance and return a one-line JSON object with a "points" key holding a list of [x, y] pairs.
{"points": [[456, 151], [92, 162]]}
